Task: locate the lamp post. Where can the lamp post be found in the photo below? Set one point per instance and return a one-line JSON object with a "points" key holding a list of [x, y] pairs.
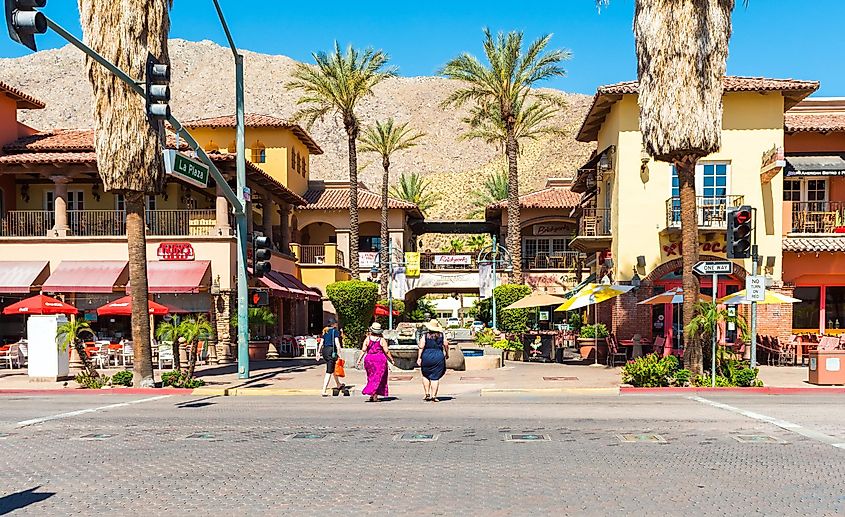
{"points": [[375, 270], [493, 255]]}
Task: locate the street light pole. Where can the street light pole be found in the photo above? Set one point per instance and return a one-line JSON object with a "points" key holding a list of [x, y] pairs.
{"points": [[495, 254]]}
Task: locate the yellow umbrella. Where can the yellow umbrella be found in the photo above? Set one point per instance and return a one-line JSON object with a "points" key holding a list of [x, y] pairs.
{"points": [[536, 299], [673, 296], [740, 298]]}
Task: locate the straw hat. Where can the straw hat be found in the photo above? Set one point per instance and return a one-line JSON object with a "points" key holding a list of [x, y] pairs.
{"points": [[433, 326], [376, 329]]}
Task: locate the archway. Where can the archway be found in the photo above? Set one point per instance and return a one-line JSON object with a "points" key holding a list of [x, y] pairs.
{"points": [[318, 233]]}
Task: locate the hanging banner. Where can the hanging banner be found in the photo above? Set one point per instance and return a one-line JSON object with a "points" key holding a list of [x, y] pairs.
{"points": [[485, 281], [367, 259], [453, 260], [412, 264], [399, 287]]}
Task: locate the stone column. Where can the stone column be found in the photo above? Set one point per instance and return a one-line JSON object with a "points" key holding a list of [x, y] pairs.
{"points": [[221, 213], [267, 220], [284, 214], [60, 226], [223, 305], [343, 246]]}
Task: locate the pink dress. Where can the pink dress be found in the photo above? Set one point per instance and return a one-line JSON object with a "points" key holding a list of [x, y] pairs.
{"points": [[375, 363]]}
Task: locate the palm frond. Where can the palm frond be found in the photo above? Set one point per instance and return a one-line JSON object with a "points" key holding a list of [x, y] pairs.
{"points": [[414, 189]]}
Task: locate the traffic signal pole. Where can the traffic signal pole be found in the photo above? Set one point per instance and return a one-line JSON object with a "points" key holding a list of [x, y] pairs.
{"points": [[753, 356]]}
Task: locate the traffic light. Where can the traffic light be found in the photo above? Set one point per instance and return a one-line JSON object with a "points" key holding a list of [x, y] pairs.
{"points": [[260, 255], [24, 22], [259, 298], [157, 92], [740, 225]]}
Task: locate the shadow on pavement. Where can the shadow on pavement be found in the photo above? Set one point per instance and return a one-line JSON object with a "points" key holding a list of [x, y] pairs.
{"points": [[18, 500]]}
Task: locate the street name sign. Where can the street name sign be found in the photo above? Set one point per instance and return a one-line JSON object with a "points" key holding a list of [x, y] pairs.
{"points": [[185, 168], [715, 267], [755, 288]]}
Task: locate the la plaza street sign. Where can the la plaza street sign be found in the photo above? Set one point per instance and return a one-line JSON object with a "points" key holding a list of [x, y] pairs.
{"points": [[714, 267]]}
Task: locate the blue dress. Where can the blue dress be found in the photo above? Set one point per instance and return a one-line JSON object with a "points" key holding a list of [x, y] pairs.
{"points": [[433, 359]]}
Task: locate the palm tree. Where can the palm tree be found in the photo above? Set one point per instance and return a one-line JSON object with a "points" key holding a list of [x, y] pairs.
{"points": [[455, 245], [476, 242], [337, 84], [505, 106], [70, 334], [171, 331], [493, 190], [682, 49], [385, 138], [194, 330], [414, 189], [128, 146]]}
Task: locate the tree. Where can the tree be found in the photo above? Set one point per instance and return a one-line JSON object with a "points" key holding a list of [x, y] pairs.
{"points": [[455, 245], [682, 49], [171, 331], [70, 334], [384, 139], [503, 104], [476, 242], [493, 190], [194, 330], [414, 189], [337, 84], [128, 146]]}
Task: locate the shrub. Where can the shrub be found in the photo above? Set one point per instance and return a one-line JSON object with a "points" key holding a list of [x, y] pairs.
{"points": [[354, 301], [599, 331], [681, 377], [398, 305], [649, 371], [424, 311], [177, 379], [576, 321], [508, 344], [485, 337], [90, 382], [513, 320], [123, 378]]}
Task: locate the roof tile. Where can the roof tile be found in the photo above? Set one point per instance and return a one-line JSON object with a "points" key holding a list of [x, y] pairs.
{"points": [[25, 101], [804, 122], [337, 198], [256, 120], [554, 197], [814, 244]]}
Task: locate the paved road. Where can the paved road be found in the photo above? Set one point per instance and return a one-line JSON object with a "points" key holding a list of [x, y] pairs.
{"points": [[306, 456]]}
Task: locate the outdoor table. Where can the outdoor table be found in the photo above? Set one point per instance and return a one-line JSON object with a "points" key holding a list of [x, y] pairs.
{"points": [[637, 348]]}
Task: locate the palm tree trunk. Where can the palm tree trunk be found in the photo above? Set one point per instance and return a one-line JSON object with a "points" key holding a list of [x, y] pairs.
{"points": [[87, 365], [514, 243], [192, 360], [693, 359], [384, 261], [352, 134], [137, 242]]}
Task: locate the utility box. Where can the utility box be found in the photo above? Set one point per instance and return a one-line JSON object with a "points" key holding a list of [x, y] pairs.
{"points": [[827, 367], [47, 363]]}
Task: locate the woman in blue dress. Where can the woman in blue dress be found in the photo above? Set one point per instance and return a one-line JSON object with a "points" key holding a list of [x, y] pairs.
{"points": [[432, 355]]}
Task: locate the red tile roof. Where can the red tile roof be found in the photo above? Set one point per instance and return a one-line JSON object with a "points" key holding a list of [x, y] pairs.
{"points": [[801, 122], [552, 198], [255, 120], [63, 140], [337, 198], [794, 90], [814, 244], [24, 101], [49, 157]]}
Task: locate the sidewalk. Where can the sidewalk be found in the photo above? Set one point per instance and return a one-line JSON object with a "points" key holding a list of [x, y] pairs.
{"points": [[305, 377]]}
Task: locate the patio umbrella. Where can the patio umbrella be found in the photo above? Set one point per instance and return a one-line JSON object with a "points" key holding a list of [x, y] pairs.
{"points": [[381, 310], [40, 304], [536, 299], [123, 307], [739, 298], [592, 294], [674, 296]]}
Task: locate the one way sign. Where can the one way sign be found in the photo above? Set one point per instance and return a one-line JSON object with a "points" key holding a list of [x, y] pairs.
{"points": [[715, 267]]}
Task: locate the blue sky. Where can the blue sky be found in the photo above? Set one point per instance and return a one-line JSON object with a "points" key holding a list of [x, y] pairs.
{"points": [[775, 38]]}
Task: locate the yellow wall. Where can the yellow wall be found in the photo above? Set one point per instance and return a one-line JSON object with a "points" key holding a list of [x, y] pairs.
{"points": [[752, 124], [107, 200]]}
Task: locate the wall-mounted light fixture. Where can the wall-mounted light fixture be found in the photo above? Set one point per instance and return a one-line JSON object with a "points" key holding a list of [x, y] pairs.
{"points": [[641, 261]]}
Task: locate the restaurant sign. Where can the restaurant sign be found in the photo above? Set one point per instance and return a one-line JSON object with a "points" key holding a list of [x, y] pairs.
{"points": [[709, 243], [175, 251], [452, 260], [367, 259], [552, 229]]}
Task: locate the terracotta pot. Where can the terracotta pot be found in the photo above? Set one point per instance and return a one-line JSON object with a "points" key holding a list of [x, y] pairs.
{"points": [[514, 355], [587, 345], [258, 350]]}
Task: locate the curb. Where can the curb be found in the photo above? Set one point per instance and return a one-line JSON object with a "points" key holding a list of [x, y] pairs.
{"points": [[765, 390], [550, 391], [111, 391], [281, 392], [210, 392]]}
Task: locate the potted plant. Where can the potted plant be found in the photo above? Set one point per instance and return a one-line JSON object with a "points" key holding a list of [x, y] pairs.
{"points": [[512, 349], [259, 318], [590, 337]]}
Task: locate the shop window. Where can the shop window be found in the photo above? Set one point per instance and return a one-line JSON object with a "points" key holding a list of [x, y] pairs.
{"points": [[259, 153], [369, 243], [834, 307], [805, 315], [792, 190]]}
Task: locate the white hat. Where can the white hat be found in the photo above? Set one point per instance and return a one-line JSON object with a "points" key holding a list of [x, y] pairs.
{"points": [[376, 329], [433, 326]]}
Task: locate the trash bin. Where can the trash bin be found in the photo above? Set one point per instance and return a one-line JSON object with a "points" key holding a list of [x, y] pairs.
{"points": [[827, 367], [559, 354]]}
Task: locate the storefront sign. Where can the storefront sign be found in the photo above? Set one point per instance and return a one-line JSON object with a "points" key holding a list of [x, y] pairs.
{"points": [[553, 283], [367, 259], [412, 264], [452, 260], [175, 251], [710, 243], [552, 229]]}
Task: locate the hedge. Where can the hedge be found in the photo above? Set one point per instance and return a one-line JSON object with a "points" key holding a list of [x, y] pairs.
{"points": [[354, 301], [513, 320]]}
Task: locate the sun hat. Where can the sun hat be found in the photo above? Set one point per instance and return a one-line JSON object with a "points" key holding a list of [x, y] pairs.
{"points": [[376, 329], [433, 326]]}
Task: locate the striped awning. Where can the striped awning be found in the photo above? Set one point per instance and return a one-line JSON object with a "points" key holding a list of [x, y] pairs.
{"points": [[87, 276], [815, 165], [22, 276]]}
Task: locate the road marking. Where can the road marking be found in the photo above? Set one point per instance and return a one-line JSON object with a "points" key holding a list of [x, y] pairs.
{"points": [[69, 414], [783, 424]]}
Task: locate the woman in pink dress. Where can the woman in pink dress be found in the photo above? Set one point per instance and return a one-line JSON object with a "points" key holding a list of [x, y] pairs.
{"points": [[375, 356]]}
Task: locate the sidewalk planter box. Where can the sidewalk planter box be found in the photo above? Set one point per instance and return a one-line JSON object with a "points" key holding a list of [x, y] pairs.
{"points": [[827, 367], [513, 355], [46, 362], [586, 347], [258, 350]]}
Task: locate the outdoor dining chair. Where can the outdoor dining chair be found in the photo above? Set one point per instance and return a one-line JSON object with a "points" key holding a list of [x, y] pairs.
{"points": [[102, 356], [127, 352], [11, 356], [165, 355], [613, 352]]}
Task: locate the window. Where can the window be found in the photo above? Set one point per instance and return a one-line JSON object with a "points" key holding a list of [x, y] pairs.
{"points": [[151, 203], [713, 182], [539, 249], [808, 190], [805, 315], [369, 243], [119, 202], [75, 200], [834, 307], [259, 153], [791, 190], [816, 193]]}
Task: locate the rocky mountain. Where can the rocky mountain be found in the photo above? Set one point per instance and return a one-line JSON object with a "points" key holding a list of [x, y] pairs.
{"points": [[203, 86]]}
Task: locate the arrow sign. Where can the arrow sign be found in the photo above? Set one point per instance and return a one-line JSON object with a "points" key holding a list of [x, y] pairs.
{"points": [[716, 267]]}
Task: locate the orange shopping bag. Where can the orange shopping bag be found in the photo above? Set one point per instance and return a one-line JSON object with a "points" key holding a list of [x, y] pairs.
{"points": [[338, 368]]}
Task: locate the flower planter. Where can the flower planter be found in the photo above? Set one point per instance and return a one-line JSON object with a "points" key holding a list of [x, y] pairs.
{"points": [[514, 355], [258, 350], [586, 347]]}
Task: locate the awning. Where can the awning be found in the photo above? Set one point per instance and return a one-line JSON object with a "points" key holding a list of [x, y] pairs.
{"points": [[87, 276], [19, 276], [190, 276], [815, 165], [292, 285]]}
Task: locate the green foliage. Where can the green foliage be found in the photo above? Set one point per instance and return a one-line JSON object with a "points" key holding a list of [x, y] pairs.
{"points": [[455, 245], [424, 307], [122, 378], [385, 138], [597, 331], [485, 337], [682, 377], [576, 321], [258, 318], [507, 344], [485, 310], [707, 317], [71, 332], [398, 305], [476, 242], [354, 301], [414, 189], [513, 320], [91, 382], [650, 371], [493, 190], [177, 379]]}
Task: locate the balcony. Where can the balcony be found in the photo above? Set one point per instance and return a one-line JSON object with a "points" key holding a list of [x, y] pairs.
{"points": [[313, 254], [107, 223], [594, 230], [563, 260], [711, 211], [816, 217]]}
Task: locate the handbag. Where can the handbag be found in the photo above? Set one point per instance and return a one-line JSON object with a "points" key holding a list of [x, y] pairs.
{"points": [[338, 368]]}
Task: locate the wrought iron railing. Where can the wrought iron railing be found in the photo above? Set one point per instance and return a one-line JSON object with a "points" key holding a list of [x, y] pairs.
{"points": [[312, 254], [562, 260], [595, 222], [107, 223], [711, 212], [181, 222], [27, 223], [818, 217], [97, 223]]}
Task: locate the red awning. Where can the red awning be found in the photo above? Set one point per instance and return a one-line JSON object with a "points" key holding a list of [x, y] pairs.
{"points": [[178, 276], [123, 307], [40, 304], [283, 291], [87, 276], [19, 276], [293, 285]]}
